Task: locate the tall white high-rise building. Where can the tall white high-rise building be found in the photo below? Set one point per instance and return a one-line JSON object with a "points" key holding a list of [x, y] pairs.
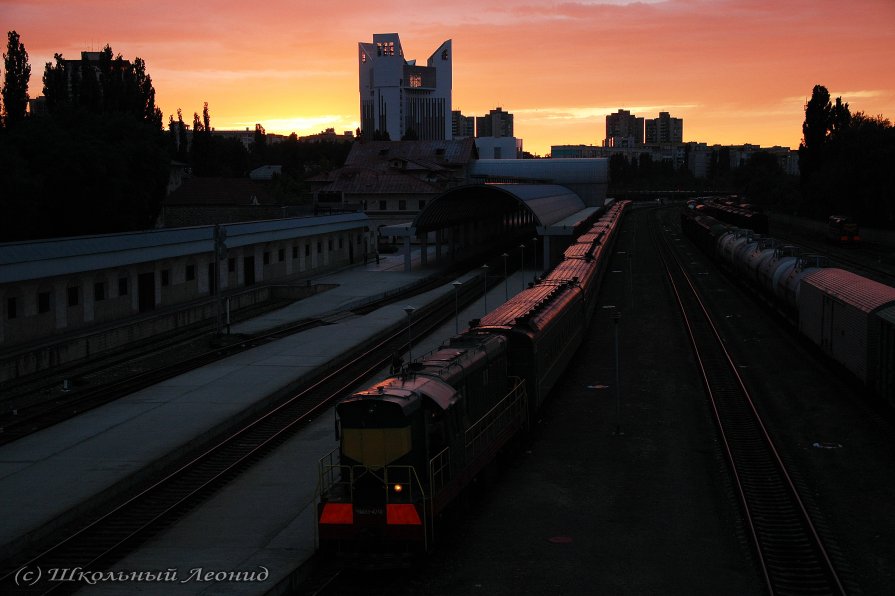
{"points": [[400, 98]]}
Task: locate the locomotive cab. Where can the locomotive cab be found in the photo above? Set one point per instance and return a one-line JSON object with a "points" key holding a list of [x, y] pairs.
{"points": [[374, 486]]}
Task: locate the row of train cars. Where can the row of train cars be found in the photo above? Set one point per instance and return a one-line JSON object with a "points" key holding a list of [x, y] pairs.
{"points": [[849, 317], [410, 444]]}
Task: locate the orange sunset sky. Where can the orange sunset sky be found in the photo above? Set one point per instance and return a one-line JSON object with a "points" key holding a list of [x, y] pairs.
{"points": [[736, 71]]}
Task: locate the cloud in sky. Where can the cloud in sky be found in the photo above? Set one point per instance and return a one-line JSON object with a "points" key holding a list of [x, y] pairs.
{"points": [[725, 66]]}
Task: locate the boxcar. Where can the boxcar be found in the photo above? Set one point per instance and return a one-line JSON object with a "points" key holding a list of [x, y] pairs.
{"points": [[851, 318]]}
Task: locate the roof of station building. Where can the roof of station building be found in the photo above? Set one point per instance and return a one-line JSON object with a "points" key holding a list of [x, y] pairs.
{"points": [[21, 261], [549, 203]]}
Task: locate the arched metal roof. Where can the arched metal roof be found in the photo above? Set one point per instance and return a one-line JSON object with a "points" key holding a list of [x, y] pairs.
{"points": [[548, 203]]}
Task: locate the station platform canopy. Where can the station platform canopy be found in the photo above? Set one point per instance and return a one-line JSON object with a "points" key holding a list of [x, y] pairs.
{"points": [[550, 210], [547, 203]]}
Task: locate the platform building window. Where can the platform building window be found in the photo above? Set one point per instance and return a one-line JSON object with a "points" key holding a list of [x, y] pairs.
{"points": [[166, 277], [329, 244], [422, 204], [267, 257], [122, 286], [294, 252], [281, 255], [11, 308], [43, 302], [99, 291], [402, 205], [307, 250], [382, 206], [231, 265], [190, 272], [341, 242], [73, 296], [319, 247]]}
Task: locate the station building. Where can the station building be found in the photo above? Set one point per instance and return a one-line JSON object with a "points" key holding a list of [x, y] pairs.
{"points": [[64, 285]]}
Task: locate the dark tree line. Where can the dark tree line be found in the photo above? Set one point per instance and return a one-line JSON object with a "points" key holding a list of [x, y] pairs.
{"points": [[94, 160], [208, 154], [17, 73], [846, 162], [107, 85]]}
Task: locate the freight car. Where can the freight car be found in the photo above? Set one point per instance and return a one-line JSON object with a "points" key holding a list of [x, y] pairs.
{"points": [[410, 444], [730, 211], [849, 317]]}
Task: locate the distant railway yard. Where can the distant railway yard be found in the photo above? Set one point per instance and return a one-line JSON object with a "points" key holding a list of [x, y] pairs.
{"points": [[696, 443]]}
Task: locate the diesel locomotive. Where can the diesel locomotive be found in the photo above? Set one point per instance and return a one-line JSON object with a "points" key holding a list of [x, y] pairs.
{"points": [[411, 443]]}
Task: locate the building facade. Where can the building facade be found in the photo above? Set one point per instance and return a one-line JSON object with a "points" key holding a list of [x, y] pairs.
{"points": [[664, 129], [623, 129], [574, 151], [462, 126], [400, 99], [496, 124], [65, 285]]}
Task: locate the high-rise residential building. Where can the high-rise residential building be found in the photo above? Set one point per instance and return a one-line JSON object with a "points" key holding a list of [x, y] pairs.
{"points": [[664, 129], [462, 126], [496, 124], [623, 129], [400, 98]]}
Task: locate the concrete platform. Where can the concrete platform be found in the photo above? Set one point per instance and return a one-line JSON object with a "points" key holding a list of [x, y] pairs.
{"points": [[49, 477]]}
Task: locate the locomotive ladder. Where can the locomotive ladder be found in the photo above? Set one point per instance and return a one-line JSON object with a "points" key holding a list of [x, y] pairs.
{"points": [[789, 551]]}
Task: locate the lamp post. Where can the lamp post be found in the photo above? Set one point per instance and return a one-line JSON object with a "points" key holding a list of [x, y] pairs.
{"points": [[409, 310], [457, 285], [485, 284], [522, 263], [616, 316], [506, 282], [535, 240]]}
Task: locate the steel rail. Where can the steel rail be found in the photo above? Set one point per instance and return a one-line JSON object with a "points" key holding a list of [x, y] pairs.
{"points": [[107, 537], [792, 560], [30, 419]]}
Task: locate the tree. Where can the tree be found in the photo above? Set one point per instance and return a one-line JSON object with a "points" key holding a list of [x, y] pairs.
{"points": [[817, 119], [17, 74], [845, 162], [102, 84]]}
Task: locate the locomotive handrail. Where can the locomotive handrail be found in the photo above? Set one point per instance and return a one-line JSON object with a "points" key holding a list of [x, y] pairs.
{"points": [[440, 470], [495, 420]]}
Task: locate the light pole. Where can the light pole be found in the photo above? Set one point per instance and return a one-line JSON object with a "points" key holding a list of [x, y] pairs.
{"points": [[535, 240], [506, 282], [616, 316], [457, 285], [485, 284], [409, 310], [522, 264]]}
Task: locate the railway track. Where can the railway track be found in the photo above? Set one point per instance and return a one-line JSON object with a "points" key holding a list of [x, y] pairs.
{"points": [[789, 551], [95, 544], [19, 421]]}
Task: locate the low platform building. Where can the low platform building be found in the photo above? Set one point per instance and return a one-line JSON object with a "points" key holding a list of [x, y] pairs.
{"points": [[57, 286]]}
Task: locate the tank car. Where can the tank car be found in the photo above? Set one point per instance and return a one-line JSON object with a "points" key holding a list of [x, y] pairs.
{"points": [[761, 252], [788, 278], [851, 318], [783, 256]]}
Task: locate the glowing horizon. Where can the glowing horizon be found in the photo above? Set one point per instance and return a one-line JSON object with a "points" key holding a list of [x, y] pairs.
{"points": [[736, 71]]}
